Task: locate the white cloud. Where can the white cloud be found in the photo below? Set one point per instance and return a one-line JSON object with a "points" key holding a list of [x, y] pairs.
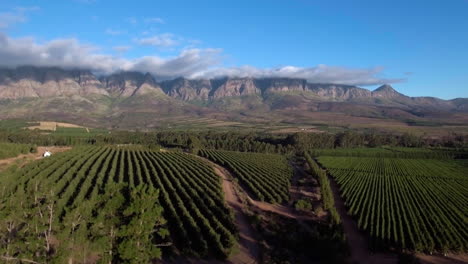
{"points": [[70, 53], [16, 16], [190, 63], [318, 74], [121, 49], [114, 32], [187, 63], [162, 40], [156, 20]]}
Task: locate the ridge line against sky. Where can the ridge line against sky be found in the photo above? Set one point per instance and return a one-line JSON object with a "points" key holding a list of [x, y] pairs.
{"points": [[418, 46]]}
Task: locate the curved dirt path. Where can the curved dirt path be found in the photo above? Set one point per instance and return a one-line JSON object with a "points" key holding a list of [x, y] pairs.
{"points": [[440, 259], [238, 197], [279, 209], [249, 250]]}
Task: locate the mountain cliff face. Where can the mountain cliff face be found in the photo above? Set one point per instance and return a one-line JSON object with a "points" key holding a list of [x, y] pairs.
{"points": [[127, 84], [187, 90], [236, 87], [27, 82], [51, 82], [272, 85], [339, 92]]}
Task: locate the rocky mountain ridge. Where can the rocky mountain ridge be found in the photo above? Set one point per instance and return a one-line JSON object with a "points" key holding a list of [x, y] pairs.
{"points": [[46, 82]]}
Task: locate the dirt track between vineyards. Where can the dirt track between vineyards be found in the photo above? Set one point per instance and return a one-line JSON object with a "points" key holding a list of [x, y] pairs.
{"points": [[248, 244], [249, 250]]}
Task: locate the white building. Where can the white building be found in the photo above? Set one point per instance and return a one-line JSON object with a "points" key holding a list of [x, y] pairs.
{"points": [[47, 154]]}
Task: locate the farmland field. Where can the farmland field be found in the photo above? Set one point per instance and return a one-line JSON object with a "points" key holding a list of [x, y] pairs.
{"points": [[418, 204], [266, 176], [89, 185], [394, 152], [53, 126]]}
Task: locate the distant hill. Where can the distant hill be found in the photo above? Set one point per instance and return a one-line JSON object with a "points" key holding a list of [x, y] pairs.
{"points": [[137, 100]]}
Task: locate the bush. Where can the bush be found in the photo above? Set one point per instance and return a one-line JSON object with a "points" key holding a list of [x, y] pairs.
{"points": [[303, 205]]}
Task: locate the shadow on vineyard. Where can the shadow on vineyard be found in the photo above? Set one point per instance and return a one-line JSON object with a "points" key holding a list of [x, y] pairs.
{"points": [[287, 240]]}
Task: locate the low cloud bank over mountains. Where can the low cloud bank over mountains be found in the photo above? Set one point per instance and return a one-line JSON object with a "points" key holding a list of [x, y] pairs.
{"points": [[191, 63]]}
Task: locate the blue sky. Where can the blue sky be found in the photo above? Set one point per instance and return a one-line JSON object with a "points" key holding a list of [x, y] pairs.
{"points": [[421, 47]]}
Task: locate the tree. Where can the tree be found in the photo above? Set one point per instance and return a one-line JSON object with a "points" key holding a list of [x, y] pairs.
{"points": [[30, 217], [145, 224], [194, 144], [75, 246], [11, 220], [107, 223]]}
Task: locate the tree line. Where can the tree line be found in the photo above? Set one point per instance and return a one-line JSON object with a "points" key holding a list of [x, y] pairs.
{"points": [[237, 141]]}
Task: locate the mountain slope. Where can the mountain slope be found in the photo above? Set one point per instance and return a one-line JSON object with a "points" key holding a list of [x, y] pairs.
{"points": [[134, 99]]}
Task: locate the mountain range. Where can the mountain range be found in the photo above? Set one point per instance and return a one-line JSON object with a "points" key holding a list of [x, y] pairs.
{"points": [[126, 99]]}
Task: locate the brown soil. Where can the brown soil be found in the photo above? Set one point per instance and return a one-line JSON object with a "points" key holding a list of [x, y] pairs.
{"points": [[23, 159], [52, 126], [239, 199], [440, 259], [248, 251]]}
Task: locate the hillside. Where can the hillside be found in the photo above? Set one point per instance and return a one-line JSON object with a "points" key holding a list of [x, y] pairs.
{"points": [[138, 100]]}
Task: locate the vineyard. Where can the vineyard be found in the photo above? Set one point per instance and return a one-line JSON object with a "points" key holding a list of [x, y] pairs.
{"points": [[106, 193], [394, 152], [266, 176], [419, 204]]}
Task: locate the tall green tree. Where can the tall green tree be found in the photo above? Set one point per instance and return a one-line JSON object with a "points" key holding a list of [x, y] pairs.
{"points": [[145, 225], [105, 228]]}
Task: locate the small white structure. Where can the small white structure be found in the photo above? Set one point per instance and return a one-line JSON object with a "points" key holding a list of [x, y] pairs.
{"points": [[47, 154]]}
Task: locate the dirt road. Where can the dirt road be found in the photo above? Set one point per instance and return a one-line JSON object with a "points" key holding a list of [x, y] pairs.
{"points": [[237, 200], [248, 244], [439, 259], [249, 251]]}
